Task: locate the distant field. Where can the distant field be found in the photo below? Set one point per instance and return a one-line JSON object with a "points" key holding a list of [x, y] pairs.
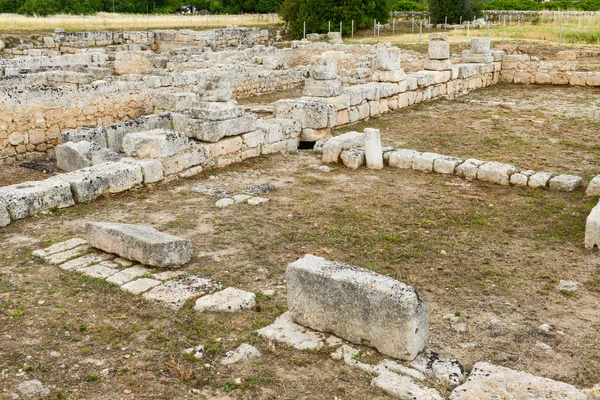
{"points": [[103, 21]]}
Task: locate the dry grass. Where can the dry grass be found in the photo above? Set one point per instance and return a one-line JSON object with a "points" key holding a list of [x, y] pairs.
{"points": [[106, 21]]}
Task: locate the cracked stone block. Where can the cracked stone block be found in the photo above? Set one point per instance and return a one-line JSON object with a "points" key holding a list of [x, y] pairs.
{"points": [[446, 165], [438, 65], [60, 247], [495, 172], [323, 70], [316, 88], [387, 60], [443, 369], [402, 158], [353, 158], [213, 131], [401, 369], [214, 88], [61, 257], [357, 305], [213, 111], [28, 198], [129, 274], [284, 330], [332, 149], [539, 180], [90, 183], [229, 300], [480, 45], [71, 156], [243, 353], [565, 183], [592, 229], [424, 161], [468, 169], [404, 387], [593, 188], [182, 161], [140, 243], [310, 113], [152, 170], [389, 76], [176, 292], [439, 50], [157, 143], [102, 270], [140, 286], [4, 215], [488, 381], [82, 262]]}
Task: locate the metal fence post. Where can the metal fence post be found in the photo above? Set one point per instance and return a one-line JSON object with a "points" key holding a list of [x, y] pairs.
{"points": [[421, 32], [352, 32], [304, 32]]}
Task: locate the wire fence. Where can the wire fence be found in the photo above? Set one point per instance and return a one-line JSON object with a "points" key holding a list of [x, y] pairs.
{"points": [[109, 21]]}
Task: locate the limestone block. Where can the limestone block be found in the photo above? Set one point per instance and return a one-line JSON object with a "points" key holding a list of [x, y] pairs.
{"points": [[439, 50], [152, 170], [213, 131], [387, 90], [95, 135], [225, 146], [577, 78], [72, 156], [567, 55], [228, 300], [182, 161], [334, 146], [156, 143], [357, 94], [480, 45], [402, 158], [543, 78], [592, 229], [519, 179], [396, 75], [214, 87], [243, 353], [438, 65], [102, 156], [339, 102], [128, 274], [353, 158], [403, 387], [310, 113], [593, 188], [373, 152], [4, 215], [387, 60], [495, 172], [140, 243], [176, 292], [89, 183], [446, 165], [539, 179], [323, 69], [116, 133], [26, 199], [315, 135], [488, 381], [273, 130], [316, 88], [565, 183], [424, 161], [140, 286], [255, 138], [215, 111], [178, 102], [357, 305], [468, 169]]}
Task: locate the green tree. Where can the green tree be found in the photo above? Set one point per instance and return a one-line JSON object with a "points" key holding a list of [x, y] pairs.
{"points": [[408, 5], [10, 6], [453, 10]]}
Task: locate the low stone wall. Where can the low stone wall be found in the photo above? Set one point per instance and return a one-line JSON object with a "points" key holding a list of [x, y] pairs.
{"points": [[523, 69]]}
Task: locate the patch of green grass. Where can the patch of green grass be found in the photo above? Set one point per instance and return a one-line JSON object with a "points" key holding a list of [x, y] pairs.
{"points": [[91, 378]]}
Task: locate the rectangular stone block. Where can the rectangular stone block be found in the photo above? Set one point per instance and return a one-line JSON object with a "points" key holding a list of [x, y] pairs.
{"points": [[446, 165], [387, 60], [539, 179], [389, 76], [28, 198], [357, 305], [496, 172], [310, 113], [182, 161], [334, 146], [424, 161], [213, 131], [315, 88], [254, 139], [468, 169], [402, 158], [215, 111], [90, 183], [565, 183], [225, 146], [439, 50], [157, 143], [323, 69], [140, 243], [152, 170]]}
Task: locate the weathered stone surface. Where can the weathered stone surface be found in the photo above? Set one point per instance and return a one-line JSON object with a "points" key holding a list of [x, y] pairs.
{"points": [[101, 271], [316, 88], [226, 202], [402, 158], [488, 381], [141, 243], [480, 45], [424, 161], [140, 286], [213, 111], [539, 180], [182, 161], [438, 65], [129, 274], [357, 305], [255, 201], [323, 69], [310, 113], [60, 247], [90, 183], [157, 143], [334, 146], [284, 330], [387, 60], [395, 76], [353, 158], [27, 198], [468, 169], [213, 131], [4, 215], [176, 292], [243, 353], [71, 156], [565, 183], [443, 369], [446, 165], [152, 170], [82, 262], [217, 87], [403, 387], [33, 389], [593, 188], [63, 256], [373, 152], [439, 50], [519, 179], [592, 229], [495, 172], [229, 300]]}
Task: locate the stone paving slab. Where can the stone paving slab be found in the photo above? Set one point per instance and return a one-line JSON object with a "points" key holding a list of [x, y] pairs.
{"points": [[101, 271], [140, 286], [59, 258], [176, 292], [129, 274], [82, 262], [284, 330], [229, 300], [60, 247]]}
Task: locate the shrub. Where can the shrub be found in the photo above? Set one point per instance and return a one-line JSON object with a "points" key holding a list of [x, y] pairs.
{"points": [[453, 10], [408, 5]]}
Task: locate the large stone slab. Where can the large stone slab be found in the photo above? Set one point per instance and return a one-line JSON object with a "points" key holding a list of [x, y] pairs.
{"points": [[157, 143], [316, 88], [334, 146], [217, 87], [176, 292], [4, 215], [496, 172], [592, 229], [25, 199], [284, 330], [310, 113], [213, 131], [216, 111], [90, 183], [358, 305], [72, 156], [490, 382], [140, 243], [228, 300], [323, 69], [565, 183]]}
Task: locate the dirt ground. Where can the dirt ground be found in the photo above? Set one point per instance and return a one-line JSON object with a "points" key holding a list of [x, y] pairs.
{"points": [[546, 128], [481, 252], [11, 174]]}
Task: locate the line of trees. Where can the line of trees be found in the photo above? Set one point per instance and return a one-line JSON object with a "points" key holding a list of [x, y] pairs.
{"points": [[51, 7], [525, 5]]}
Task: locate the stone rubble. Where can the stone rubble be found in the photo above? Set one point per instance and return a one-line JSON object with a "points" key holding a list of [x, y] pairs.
{"points": [[228, 300], [243, 353]]}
